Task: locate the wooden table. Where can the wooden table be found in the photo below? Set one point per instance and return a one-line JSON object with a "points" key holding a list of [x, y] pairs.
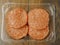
{"points": [[35, 1]]}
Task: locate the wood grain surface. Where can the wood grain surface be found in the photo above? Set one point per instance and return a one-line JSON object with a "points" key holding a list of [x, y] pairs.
{"points": [[55, 2]]}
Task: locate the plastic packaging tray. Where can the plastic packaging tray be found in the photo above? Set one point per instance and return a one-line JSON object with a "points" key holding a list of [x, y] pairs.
{"points": [[29, 6]]}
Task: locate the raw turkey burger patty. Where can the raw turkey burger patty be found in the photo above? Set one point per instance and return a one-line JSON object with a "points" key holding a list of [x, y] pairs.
{"points": [[38, 18], [38, 34], [16, 17], [17, 33]]}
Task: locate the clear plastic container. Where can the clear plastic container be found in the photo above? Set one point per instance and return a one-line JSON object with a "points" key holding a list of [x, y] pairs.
{"points": [[27, 6]]}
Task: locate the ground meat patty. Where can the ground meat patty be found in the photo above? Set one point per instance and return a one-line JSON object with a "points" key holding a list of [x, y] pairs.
{"points": [[16, 17], [38, 18], [17, 33], [38, 34]]}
